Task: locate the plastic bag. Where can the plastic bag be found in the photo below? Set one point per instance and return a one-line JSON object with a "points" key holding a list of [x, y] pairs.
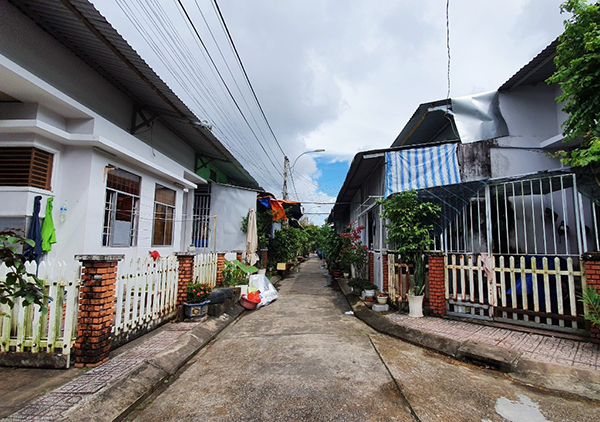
{"points": [[268, 293]]}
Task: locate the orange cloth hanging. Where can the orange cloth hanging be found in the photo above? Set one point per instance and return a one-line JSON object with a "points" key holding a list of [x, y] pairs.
{"points": [[278, 211]]}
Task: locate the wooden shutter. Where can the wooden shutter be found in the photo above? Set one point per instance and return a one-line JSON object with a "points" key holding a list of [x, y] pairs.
{"points": [[26, 166]]}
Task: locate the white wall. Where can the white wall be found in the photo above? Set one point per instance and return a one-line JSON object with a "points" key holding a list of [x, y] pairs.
{"points": [[230, 205]]}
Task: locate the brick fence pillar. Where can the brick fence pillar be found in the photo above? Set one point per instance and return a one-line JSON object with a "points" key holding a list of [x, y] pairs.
{"points": [[186, 274], [96, 309], [220, 266], [384, 264], [437, 288], [372, 267], [591, 263], [263, 257]]}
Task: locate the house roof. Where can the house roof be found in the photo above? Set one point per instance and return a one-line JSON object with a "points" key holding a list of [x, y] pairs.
{"points": [[428, 121], [82, 29], [540, 68]]}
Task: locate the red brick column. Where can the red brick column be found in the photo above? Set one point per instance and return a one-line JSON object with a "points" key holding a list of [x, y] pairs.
{"points": [[263, 257], [437, 289], [186, 274], [220, 266], [591, 264], [384, 264], [372, 267], [96, 309]]}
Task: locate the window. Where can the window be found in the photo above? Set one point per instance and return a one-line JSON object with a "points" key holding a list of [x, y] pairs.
{"points": [[26, 166], [121, 211], [164, 211]]}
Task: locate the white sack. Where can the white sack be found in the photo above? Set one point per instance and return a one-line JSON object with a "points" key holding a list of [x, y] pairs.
{"points": [[268, 293]]}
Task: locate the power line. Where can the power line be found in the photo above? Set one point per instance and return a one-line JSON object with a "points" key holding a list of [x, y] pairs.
{"points": [[222, 19], [225, 84]]}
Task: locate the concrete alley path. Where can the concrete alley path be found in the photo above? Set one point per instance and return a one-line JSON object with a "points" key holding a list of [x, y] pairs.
{"points": [[302, 359]]}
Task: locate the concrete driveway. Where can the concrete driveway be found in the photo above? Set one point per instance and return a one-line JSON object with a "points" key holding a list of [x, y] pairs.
{"points": [[302, 359]]}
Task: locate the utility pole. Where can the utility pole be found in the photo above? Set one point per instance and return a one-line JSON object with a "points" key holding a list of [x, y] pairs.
{"points": [[286, 166]]}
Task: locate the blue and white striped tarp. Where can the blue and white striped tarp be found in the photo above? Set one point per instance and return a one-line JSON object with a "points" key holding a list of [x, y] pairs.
{"points": [[420, 168]]}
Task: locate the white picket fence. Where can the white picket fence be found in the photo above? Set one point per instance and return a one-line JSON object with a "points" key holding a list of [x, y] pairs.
{"points": [[532, 291], [146, 294], [205, 268], [28, 329]]}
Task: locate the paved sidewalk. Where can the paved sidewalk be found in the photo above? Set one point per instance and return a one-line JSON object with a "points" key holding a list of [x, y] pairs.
{"points": [[112, 388], [534, 346], [558, 364]]}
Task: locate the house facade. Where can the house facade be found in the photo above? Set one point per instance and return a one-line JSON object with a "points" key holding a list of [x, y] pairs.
{"points": [[514, 223], [86, 122]]}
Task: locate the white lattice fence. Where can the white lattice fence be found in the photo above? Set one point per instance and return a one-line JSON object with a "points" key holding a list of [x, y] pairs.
{"points": [[28, 329], [205, 268], [146, 294]]}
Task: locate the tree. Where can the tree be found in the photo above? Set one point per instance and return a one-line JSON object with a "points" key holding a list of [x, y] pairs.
{"points": [[18, 283], [578, 73]]}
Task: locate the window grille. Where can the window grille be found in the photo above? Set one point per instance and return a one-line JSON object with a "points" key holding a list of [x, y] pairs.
{"points": [[164, 212], [121, 212]]}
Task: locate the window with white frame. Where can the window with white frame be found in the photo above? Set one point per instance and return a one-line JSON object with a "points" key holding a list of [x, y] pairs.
{"points": [[121, 211], [164, 212]]}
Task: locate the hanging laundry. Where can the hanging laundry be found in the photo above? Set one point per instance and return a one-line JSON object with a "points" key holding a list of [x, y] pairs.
{"points": [[34, 253], [48, 232]]}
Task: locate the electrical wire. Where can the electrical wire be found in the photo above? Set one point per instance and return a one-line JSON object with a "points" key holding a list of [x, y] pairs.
{"points": [[226, 86], [230, 38]]}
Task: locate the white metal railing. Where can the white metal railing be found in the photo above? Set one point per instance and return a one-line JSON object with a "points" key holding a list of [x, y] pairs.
{"points": [[146, 293], [28, 328], [539, 215], [205, 268], [537, 291]]}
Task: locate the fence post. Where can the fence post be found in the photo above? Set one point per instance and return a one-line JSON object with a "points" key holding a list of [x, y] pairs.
{"points": [[96, 309], [263, 257], [591, 263], [384, 265], [372, 266], [220, 266], [186, 274], [437, 299]]}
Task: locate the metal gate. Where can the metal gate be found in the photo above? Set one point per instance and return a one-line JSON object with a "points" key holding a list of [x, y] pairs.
{"points": [[513, 252]]}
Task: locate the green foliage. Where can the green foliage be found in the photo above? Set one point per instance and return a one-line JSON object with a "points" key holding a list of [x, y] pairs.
{"points": [[361, 284], [409, 230], [286, 244], [197, 292], [236, 272], [18, 283], [591, 299], [578, 73], [263, 226], [353, 252]]}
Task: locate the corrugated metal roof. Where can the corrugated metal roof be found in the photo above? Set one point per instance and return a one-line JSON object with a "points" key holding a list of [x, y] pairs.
{"points": [[424, 125], [540, 68], [82, 29]]}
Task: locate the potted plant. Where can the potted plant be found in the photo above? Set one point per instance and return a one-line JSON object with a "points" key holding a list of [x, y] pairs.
{"points": [[409, 228], [236, 273], [382, 298], [196, 303]]}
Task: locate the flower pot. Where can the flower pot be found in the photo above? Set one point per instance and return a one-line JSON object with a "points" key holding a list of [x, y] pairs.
{"points": [[415, 306], [346, 275], [369, 299], [195, 310], [382, 300], [369, 293], [243, 288]]}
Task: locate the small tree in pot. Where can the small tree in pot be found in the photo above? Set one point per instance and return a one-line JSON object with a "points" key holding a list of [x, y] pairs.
{"points": [[409, 229]]}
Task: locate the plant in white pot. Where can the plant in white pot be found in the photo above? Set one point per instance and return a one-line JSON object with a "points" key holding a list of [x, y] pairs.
{"points": [[409, 228]]}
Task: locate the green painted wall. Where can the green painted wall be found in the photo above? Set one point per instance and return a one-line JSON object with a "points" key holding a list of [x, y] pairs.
{"points": [[205, 171]]}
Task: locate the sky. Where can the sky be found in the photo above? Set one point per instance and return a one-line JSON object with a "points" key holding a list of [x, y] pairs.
{"points": [[339, 75]]}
